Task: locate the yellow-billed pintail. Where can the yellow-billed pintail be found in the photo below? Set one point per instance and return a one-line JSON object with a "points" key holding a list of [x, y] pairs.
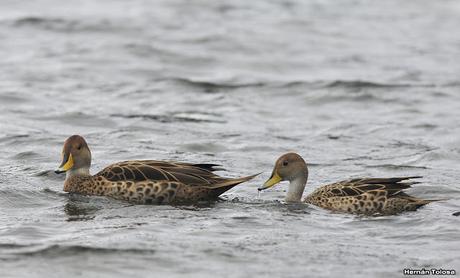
{"points": [[142, 181], [369, 196]]}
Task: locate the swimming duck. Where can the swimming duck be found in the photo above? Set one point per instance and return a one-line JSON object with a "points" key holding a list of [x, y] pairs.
{"points": [[141, 181], [369, 196]]}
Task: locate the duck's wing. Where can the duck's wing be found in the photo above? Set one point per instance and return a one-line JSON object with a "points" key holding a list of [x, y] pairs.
{"points": [[153, 170], [355, 187], [367, 196]]}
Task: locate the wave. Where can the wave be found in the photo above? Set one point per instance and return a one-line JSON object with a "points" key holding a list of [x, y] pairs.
{"points": [[14, 138], [26, 155], [58, 250], [69, 25], [170, 118], [360, 84], [211, 86], [396, 166], [35, 20], [353, 84]]}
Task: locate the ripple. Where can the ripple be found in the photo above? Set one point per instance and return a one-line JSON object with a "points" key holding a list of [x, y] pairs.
{"points": [[49, 174], [66, 25], [14, 138], [26, 198], [13, 98], [78, 119], [195, 81], [209, 86], [203, 147], [34, 20], [26, 155], [359, 84], [196, 117], [396, 166], [58, 250]]}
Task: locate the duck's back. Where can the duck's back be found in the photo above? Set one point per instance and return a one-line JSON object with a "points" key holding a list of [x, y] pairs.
{"points": [[151, 181], [367, 196], [141, 170]]}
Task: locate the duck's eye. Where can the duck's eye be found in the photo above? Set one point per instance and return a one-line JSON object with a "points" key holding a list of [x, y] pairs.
{"points": [[79, 147], [285, 163]]}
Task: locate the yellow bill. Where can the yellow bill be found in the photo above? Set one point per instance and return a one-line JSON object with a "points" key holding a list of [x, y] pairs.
{"points": [[274, 179], [67, 163]]}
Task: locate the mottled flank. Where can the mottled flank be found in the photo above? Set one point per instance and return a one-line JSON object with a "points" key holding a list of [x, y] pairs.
{"points": [[368, 196], [143, 181]]}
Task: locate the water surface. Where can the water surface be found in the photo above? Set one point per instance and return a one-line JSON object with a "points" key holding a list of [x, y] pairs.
{"points": [[357, 88]]}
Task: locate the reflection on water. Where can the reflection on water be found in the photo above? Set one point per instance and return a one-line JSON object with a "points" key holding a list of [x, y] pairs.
{"points": [[77, 212]]}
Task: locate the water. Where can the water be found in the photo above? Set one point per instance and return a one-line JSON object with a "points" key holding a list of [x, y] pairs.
{"points": [[357, 88]]}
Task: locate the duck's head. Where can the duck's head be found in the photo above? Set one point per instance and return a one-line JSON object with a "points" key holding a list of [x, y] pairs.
{"points": [[293, 168], [76, 156]]}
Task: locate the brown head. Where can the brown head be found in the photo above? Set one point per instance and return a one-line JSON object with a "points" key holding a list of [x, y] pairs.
{"points": [[289, 167], [76, 156]]}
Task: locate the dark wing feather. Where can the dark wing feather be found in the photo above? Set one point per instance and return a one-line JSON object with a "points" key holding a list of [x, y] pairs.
{"points": [[141, 170], [381, 180], [208, 166], [166, 164], [357, 187]]}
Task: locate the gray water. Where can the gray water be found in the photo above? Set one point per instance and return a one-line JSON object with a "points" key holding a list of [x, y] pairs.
{"points": [[358, 88]]}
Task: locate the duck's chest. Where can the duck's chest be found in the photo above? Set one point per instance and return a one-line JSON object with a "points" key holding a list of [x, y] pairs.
{"points": [[85, 185]]}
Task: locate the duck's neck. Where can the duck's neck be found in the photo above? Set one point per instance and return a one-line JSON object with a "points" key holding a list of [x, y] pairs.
{"points": [[295, 190], [79, 181], [80, 172]]}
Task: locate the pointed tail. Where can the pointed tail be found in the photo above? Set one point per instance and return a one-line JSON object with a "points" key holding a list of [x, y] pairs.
{"points": [[218, 189], [421, 202]]}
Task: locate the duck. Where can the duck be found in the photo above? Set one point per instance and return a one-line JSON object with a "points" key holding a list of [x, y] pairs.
{"points": [[142, 181], [365, 196]]}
